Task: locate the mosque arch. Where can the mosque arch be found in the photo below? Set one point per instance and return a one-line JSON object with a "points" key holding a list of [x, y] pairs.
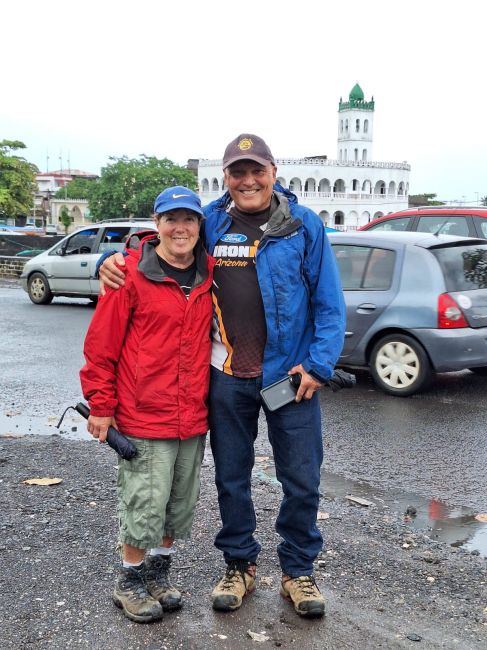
{"points": [[214, 185], [380, 188], [310, 185], [325, 217], [392, 189], [339, 186], [205, 186], [367, 187], [378, 214], [324, 186], [295, 184], [338, 218]]}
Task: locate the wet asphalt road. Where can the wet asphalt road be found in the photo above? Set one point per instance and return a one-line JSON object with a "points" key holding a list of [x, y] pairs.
{"points": [[430, 446]]}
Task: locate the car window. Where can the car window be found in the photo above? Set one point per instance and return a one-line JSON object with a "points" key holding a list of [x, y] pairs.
{"points": [[444, 224], [364, 267], [401, 223], [464, 267], [114, 238], [483, 227], [81, 242]]}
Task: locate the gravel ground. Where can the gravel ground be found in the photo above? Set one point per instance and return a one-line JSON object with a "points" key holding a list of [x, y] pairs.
{"points": [[386, 586]]}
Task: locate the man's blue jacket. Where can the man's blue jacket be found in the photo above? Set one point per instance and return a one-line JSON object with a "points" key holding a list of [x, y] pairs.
{"points": [[300, 286]]}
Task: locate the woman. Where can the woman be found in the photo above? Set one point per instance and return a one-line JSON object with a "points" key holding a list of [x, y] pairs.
{"points": [[147, 354]]}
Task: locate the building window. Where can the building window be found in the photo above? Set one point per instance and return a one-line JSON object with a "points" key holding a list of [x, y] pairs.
{"points": [[341, 126], [357, 125], [364, 154], [366, 126], [355, 154], [346, 126]]}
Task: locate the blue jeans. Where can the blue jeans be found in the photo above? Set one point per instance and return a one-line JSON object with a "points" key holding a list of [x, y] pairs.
{"points": [[295, 435]]}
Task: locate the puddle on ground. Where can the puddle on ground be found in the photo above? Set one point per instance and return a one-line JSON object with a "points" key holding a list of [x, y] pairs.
{"points": [[456, 526], [15, 425]]}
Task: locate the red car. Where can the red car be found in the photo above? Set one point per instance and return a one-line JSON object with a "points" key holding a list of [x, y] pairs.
{"points": [[466, 222]]}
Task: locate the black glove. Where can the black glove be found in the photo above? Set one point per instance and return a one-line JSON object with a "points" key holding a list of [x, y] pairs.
{"points": [[341, 379]]}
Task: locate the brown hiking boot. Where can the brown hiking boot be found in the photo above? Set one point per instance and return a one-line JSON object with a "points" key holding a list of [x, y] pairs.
{"points": [[158, 583], [131, 595], [304, 594], [239, 580]]}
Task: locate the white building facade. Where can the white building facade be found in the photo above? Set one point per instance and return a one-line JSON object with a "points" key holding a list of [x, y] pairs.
{"points": [[347, 192]]}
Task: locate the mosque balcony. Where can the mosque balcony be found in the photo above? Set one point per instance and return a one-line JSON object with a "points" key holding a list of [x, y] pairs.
{"points": [[322, 162], [345, 197]]}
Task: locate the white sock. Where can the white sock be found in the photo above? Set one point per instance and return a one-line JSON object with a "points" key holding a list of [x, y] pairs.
{"points": [[133, 565], [162, 550]]}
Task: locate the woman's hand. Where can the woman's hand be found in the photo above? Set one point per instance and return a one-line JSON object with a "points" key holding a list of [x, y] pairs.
{"points": [[98, 427]]}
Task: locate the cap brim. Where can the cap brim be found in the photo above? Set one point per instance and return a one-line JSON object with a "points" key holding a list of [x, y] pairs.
{"points": [[181, 204], [257, 159]]}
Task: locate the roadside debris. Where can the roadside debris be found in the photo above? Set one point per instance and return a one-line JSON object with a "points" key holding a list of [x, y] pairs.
{"points": [[359, 501], [43, 481], [256, 636]]}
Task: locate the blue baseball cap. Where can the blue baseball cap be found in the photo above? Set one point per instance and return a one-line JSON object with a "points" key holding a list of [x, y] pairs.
{"points": [[177, 197]]}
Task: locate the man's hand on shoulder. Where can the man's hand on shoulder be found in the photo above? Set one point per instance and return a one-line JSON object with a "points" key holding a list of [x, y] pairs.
{"points": [[308, 383], [110, 274]]}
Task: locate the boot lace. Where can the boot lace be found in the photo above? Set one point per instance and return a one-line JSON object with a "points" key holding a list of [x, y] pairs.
{"points": [[134, 583], [307, 585], [236, 570], [159, 571]]}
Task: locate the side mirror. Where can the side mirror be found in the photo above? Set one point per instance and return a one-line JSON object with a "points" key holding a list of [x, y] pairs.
{"points": [[61, 251]]}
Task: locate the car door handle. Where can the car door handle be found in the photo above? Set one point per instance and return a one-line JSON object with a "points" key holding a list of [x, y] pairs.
{"points": [[366, 307], [84, 263]]}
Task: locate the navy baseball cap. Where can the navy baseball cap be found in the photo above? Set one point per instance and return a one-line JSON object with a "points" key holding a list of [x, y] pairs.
{"points": [[177, 197], [248, 146]]}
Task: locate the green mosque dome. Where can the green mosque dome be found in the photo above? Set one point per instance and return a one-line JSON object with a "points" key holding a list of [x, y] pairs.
{"points": [[356, 94]]}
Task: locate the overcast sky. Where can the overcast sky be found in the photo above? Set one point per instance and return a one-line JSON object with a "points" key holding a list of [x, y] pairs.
{"points": [[180, 80]]}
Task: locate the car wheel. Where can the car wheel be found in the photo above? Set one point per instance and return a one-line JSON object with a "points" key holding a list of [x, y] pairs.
{"points": [[481, 370], [38, 289], [399, 365]]}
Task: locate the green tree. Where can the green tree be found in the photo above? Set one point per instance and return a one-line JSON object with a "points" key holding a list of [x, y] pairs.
{"points": [[64, 218], [78, 188], [483, 200], [128, 187], [17, 180], [419, 200]]}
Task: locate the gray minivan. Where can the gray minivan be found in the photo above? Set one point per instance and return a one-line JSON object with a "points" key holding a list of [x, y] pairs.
{"points": [[416, 304]]}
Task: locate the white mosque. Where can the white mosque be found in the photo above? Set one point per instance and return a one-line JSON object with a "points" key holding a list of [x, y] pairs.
{"points": [[347, 192]]}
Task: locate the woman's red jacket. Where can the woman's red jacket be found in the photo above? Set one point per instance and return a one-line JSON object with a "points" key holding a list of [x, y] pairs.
{"points": [[148, 350]]}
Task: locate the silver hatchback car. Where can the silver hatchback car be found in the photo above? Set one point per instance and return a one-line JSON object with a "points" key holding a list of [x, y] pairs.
{"points": [[416, 304], [68, 268]]}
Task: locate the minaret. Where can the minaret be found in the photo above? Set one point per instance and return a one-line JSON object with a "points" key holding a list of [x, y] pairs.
{"points": [[355, 127]]}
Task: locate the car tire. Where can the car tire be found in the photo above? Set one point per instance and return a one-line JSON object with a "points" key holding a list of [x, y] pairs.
{"points": [[400, 365], [39, 290], [481, 371]]}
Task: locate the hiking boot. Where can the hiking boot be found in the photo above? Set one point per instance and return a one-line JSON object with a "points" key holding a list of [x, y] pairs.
{"points": [[304, 594], [239, 580], [131, 595], [158, 584]]}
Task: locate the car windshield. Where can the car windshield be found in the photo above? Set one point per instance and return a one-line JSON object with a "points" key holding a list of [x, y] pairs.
{"points": [[464, 267]]}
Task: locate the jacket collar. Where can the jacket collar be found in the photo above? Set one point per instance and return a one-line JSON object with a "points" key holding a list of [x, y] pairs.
{"points": [[149, 265]]}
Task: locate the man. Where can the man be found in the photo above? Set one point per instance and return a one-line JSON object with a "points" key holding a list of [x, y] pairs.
{"points": [[278, 310]]}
